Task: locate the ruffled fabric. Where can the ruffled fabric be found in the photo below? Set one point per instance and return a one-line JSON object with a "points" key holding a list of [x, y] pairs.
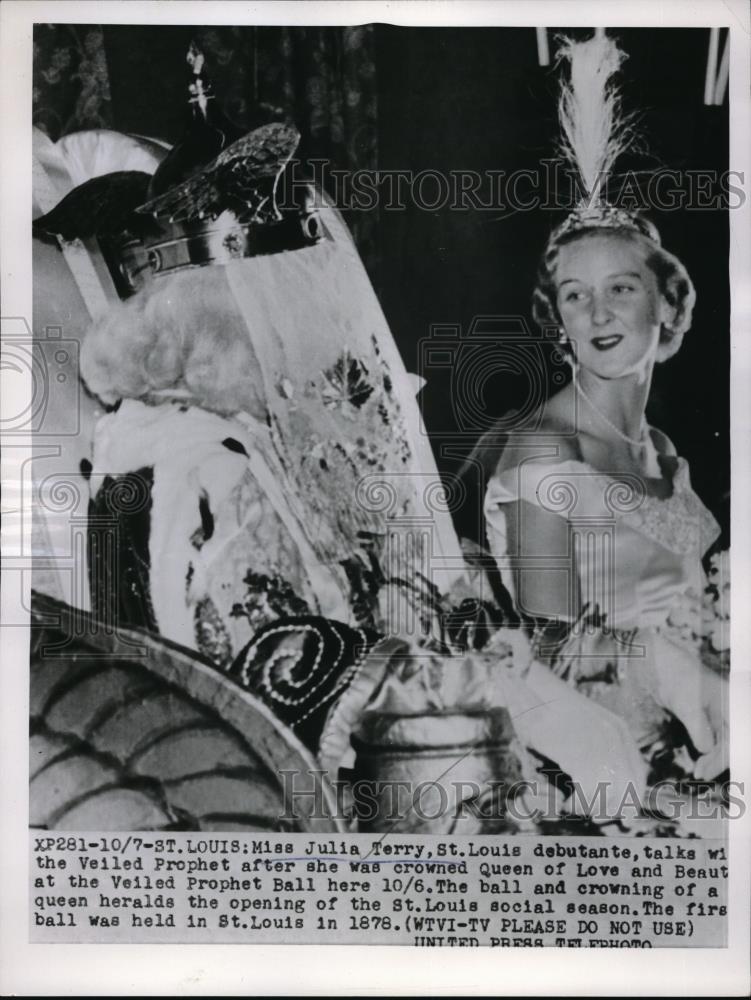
{"points": [[424, 683], [335, 748], [441, 701]]}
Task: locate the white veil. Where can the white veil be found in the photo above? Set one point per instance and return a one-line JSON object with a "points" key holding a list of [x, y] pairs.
{"points": [[290, 356]]}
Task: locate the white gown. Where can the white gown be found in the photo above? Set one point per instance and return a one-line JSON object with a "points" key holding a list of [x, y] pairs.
{"points": [[637, 559]]}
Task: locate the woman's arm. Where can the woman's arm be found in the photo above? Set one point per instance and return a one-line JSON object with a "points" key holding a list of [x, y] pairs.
{"points": [[547, 586], [538, 541], [540, 546]]}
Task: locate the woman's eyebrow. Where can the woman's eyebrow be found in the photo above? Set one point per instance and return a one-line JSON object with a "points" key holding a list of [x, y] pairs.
{"points": [[615, 274]]}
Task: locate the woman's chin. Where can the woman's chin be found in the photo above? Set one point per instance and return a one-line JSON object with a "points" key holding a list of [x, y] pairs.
{"points": [[606, 372], [613, 368]]}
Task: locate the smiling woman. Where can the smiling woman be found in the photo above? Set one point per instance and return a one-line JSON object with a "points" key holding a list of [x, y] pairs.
{"points": [[591, 515], [621, 304], [635, 263], [277, 506]]}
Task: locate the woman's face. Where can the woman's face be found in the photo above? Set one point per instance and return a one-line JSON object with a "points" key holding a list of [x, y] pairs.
{"points": [[610, 305]]}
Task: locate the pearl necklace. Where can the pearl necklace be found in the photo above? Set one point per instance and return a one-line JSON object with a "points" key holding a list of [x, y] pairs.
{"points": [[639, 442]]}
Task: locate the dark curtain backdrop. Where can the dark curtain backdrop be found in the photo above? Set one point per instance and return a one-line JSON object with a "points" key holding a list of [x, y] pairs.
{"points": [[133, 79], [386, 98]]}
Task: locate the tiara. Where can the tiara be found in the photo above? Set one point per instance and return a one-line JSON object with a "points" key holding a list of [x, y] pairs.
{"points": [[594, 133], [225, 209], [604, 216]]}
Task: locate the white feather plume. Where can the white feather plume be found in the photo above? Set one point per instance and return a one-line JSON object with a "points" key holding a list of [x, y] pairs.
{"points": [[594, 131]]}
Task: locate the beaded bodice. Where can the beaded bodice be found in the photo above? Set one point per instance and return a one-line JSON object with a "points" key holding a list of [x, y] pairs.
{"points": [[633, 553]]}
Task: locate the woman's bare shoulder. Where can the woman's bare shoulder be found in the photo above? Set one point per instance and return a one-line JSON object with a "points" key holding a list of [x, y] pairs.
{"points": [[547, 436]]}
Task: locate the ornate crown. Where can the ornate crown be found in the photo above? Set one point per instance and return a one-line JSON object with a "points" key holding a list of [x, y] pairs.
{"points": [[224, 209], [604, 216]]}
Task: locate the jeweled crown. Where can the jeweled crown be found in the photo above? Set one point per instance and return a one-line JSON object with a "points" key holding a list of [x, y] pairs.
{"points": [[604, 216], [214, 204]]}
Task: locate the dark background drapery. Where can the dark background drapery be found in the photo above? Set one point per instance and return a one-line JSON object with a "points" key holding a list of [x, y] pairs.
{"points": [[379, 97]]}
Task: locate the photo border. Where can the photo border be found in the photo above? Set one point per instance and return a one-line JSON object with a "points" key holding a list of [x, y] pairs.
{"points": [[209, 969]]}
